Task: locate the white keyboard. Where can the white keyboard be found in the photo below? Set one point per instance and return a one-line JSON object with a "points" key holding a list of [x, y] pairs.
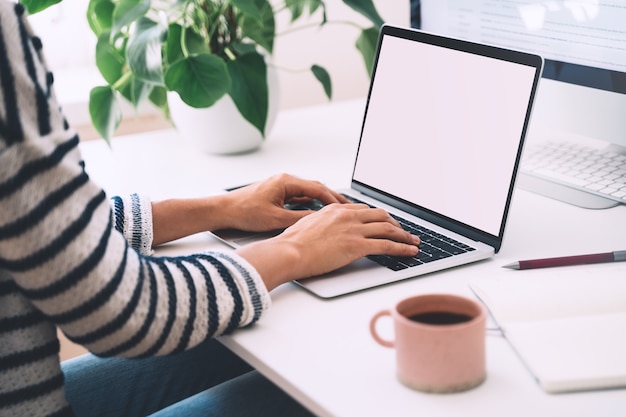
{"points": [[597, 171]]}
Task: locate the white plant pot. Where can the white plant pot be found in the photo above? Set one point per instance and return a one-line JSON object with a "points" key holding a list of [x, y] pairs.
{"points": [[221, 129]]}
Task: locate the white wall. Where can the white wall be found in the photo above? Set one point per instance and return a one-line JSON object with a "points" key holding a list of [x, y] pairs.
{"points": [[332, 47], [69, 48]]}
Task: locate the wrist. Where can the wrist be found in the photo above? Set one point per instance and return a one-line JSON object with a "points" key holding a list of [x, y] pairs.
{"points": [[276, 260], [217, 211]]}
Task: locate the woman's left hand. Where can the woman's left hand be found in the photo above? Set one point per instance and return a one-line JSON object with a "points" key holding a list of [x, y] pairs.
{"points": [[260, 206]]}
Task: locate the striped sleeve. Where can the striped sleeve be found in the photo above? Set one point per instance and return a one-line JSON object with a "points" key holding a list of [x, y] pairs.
{"points": [[62, 243], [70, 259], [133, 218]]}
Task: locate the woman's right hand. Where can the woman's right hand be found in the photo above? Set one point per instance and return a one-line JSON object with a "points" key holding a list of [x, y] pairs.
{"points": [[326, 240]]}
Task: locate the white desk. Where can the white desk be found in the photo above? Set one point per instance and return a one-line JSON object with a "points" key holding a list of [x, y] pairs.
{"points": [[321, 351]]}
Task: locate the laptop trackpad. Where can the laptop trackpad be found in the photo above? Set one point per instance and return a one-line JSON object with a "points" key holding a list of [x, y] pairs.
{"points": [[358, 275]]}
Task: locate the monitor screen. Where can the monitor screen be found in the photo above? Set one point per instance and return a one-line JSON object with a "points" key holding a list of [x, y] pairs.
{"points": [[583, 43], [582, 94]]}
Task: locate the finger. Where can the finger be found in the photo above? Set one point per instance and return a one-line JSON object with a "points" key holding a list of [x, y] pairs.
{"points": [[390, 247], [330, 196], [288, 217], [381, 215], [376, 215], [313, 189], [384, 230], [340, 197], [297, 214]]}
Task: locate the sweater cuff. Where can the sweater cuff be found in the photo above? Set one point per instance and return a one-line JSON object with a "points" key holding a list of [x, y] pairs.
{"points": [[255, 293], [133, 218]]}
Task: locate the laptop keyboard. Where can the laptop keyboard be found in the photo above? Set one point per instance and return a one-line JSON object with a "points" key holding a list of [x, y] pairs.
{"points": [[433, 246]]}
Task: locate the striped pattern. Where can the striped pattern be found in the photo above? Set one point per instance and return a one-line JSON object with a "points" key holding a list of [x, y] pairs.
{"points": [[72, 258]]}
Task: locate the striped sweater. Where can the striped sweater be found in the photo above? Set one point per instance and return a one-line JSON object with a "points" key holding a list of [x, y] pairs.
{"points": [[71, 259]]}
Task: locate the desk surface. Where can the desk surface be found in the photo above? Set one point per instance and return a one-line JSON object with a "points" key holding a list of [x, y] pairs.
{"points": [[320, 351]]}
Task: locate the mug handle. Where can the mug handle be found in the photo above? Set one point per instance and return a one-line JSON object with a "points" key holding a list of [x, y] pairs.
{"points": [[374, 332]]}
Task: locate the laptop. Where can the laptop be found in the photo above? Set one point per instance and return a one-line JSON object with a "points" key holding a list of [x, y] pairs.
{"points": [[440, 145]]}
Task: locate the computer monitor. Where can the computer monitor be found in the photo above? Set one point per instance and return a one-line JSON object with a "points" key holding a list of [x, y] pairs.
{"points": [[583, 89]]}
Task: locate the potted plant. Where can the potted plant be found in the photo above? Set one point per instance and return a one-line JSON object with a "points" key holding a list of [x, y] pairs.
{"points": [[200, 49]]}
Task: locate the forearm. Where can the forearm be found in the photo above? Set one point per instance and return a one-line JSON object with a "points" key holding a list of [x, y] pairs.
{"points": [[177, 218]]}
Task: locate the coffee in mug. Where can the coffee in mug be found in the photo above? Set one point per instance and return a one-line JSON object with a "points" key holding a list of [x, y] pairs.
{"points": [[439, 342]]}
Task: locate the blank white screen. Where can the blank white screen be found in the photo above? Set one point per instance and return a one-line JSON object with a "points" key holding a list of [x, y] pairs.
{"points": [[443, 129]]}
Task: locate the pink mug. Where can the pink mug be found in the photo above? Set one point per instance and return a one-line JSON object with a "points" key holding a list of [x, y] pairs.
{"points": [[439, 342]]}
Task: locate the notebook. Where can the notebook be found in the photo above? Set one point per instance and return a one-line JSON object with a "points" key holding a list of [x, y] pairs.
{"points": [[440, 144], [567, 328]]}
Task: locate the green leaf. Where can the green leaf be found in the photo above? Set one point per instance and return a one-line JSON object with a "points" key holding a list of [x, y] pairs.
{"points": [[104, 110], [242, 48], [128, 11], [139, 91], [367, 9], [200, 80], [109, 60], [134, 90], [143, 52], [249, 88], [173, 51], [158, 97], [36, 6], [324, 78], [125, 89], [194, 42], [261, 31], [296, 7], [366, 44], [249, 8], [100, 16]]}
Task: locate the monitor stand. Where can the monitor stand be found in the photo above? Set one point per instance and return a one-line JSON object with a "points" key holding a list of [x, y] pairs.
{"points": [[564, 193]]}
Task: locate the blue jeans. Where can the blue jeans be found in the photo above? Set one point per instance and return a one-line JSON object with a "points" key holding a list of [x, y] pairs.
{"points": [[206, 381]]}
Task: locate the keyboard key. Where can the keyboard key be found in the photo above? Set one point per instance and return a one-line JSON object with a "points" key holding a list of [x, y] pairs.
{"points": [[562, 178], [434, 246], [596, 171]]}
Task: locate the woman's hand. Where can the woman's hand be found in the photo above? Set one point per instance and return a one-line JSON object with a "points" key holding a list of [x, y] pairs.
{"points": [[313, 242], [326, 240], [257, 207], [260, 207]]}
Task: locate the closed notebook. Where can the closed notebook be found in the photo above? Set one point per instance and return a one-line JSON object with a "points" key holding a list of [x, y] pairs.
{"points": [[569, 328]]}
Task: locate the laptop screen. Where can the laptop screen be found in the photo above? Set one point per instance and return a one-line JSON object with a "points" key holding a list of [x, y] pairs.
{"points": [[443, 128]]}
